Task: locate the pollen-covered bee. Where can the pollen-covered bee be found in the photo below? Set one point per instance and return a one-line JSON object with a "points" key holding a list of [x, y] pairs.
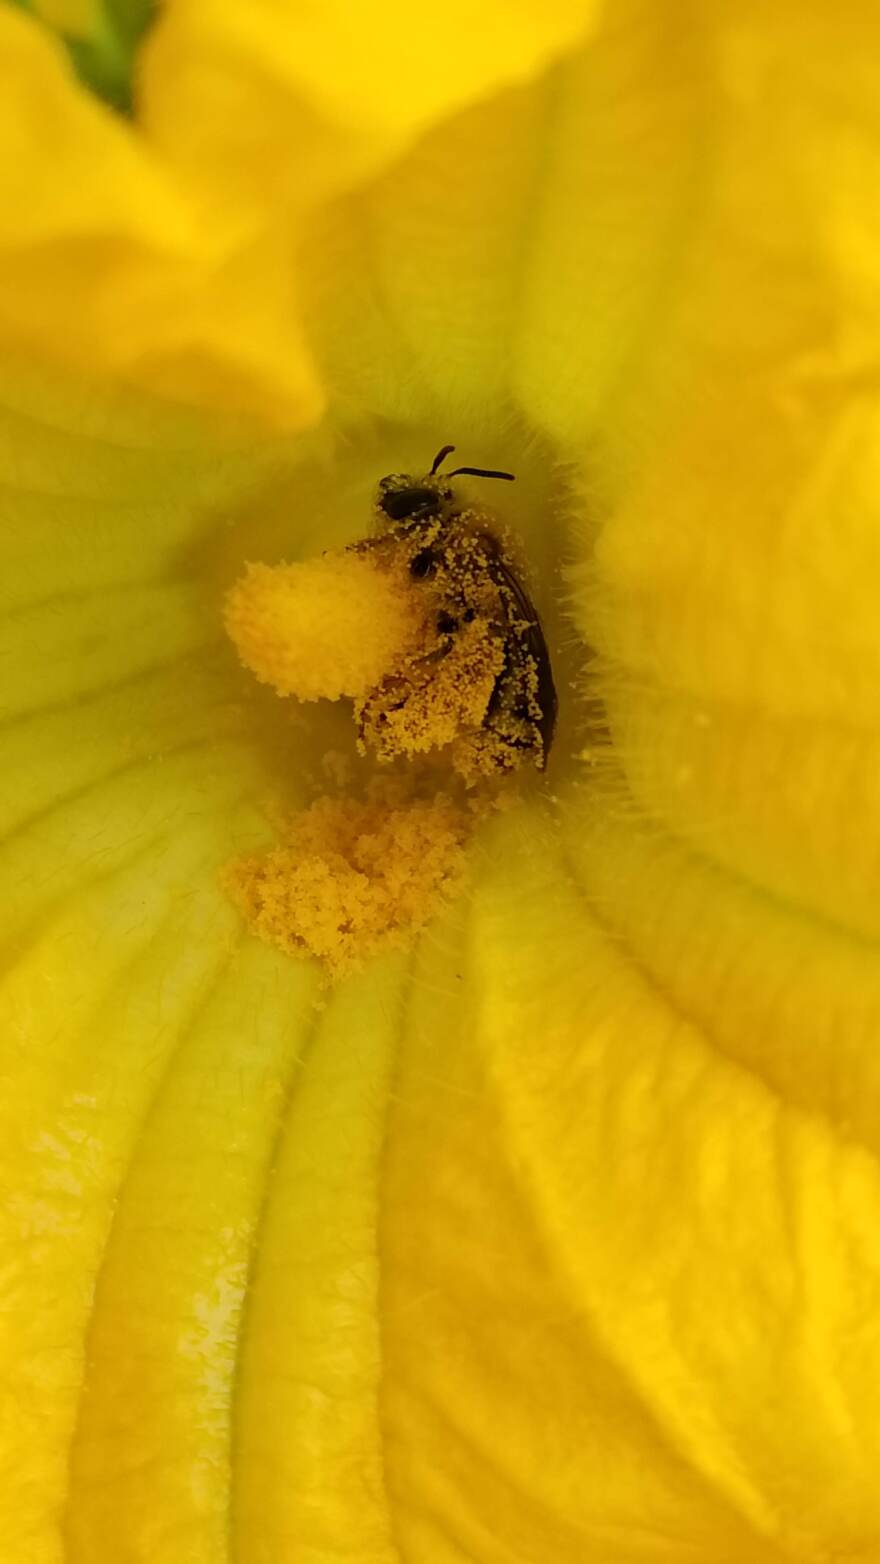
{"points": [[482, 683]]}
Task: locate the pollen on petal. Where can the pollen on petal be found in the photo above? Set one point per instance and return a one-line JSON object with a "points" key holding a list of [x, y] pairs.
{"points": [[348, 875], [324, 628]]}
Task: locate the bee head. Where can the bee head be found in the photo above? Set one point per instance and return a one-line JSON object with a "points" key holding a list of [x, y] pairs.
{"points": [[405, 498]]}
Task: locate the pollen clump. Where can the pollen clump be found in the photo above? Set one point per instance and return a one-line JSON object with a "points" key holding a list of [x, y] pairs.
{"points": [[323, 628], [431, 699], [347, 876]]}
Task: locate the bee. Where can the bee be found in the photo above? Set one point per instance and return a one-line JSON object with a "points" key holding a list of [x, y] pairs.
{"points": [[486, 683]]}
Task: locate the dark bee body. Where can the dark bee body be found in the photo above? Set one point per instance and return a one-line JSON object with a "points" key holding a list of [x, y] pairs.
{"points": [[480, 601], [535, 643]]}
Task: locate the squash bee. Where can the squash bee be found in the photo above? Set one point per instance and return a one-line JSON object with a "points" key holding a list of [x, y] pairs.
{"points": [[489, 663]]}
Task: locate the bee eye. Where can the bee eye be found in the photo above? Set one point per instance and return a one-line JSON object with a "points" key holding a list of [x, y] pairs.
{"points": [[399, 504], [446, 624], [423, 564]]}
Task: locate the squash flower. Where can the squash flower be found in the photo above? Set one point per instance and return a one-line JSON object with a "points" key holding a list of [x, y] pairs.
{"points": [[549, 1229]]}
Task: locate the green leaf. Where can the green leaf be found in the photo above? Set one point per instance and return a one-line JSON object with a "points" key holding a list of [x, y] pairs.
{"points": [[104, 58]]}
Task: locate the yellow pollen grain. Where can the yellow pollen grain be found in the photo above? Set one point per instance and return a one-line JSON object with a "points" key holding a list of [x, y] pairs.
{"points": [[348, 876], [323, 628]]}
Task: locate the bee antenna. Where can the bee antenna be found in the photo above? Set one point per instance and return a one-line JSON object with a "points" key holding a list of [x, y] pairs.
{"points": [[482, 472], [441, 456]]}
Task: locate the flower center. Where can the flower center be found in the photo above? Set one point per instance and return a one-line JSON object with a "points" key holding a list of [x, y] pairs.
{"points": [[426, 626]]}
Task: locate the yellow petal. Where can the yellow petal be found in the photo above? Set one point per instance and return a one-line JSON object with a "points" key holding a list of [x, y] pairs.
{"points": [[724, 175], [105, 265], [127, 774], [228, 91], [733, 602], [167, 250], [524, 253]]}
